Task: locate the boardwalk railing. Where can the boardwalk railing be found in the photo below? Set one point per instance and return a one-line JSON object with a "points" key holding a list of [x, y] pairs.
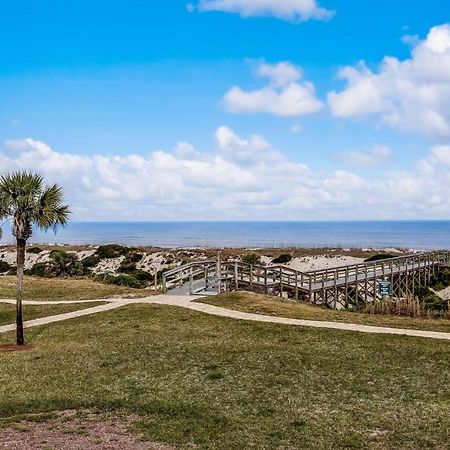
{"points": [[353, 283]]}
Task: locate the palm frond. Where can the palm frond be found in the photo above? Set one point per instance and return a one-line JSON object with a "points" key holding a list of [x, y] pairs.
{"points": [[25, 199]]}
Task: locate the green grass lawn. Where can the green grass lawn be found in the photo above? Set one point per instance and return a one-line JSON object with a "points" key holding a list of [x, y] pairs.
{"points": [[205, 382], [8, 312], [276, 306], [66, 289]]}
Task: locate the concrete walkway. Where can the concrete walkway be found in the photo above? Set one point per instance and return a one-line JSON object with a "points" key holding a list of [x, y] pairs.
{"points": [[188, 302]]}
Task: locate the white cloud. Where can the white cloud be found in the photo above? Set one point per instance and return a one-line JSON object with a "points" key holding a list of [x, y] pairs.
{"points": [[376, 155], [298, 10], [241, 179], [413, 94], [280, 74], [296, 128], [285, 96]]}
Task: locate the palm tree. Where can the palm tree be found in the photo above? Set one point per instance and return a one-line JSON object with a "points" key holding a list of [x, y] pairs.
{"points": [[27, 202]]}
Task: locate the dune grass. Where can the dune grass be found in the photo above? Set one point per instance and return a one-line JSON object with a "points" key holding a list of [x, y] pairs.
{"points": [[30, 312], [276, 306], [66, 289], [205, 382]]}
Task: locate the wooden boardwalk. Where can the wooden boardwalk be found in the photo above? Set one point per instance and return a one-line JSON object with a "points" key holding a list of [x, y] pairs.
{"points": [[352, 284]]}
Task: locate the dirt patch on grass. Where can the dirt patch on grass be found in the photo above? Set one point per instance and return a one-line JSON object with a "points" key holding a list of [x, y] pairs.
{"points": [[74, 430], [14, 348]]}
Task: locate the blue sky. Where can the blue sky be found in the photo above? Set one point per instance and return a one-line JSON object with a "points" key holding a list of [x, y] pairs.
{"points": [[114, 79]]}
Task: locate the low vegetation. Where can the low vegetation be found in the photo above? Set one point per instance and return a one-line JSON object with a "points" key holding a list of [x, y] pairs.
{"points": [[198, 381], [66, 289], [66, 264], [380, 257], [275, 306], [282, 259], [121, 279], [30, 312], [251, 258], [111, 251], [35, 250], [5, 267]]}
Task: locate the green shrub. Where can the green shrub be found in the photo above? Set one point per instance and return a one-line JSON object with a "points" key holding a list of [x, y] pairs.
{"points": [[5, 267], [39, 270], [440, 280], [142, 275], [61, 264], [111, 251], [123, 280], [282, 259], [431, 302], [133, 257], [251, 258], [90, 261], [130, 269], [380, 257], [126, 267], [35, 250]]}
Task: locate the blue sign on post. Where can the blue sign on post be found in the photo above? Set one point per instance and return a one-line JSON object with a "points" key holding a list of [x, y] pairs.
{"points": [[384, 288]]}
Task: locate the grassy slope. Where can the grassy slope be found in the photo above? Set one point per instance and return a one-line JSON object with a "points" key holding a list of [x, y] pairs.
{"points": [[66, 289], [8, 312], [226, 384], [275, 306]]}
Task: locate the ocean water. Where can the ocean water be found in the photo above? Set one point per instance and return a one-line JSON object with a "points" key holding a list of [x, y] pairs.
{"points": [[420, 235]]}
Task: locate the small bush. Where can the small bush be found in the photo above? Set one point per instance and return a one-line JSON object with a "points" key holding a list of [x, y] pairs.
{"points": [[35, 250], [39, 270], [380, 257], [5, 267], [251, 258], [90, 261], [123, 280], [111, 251], [63, 264], [130, 269], [440, 280], [282, 259], [142, 275], [126, 267], [133, 257], [430, 301]]}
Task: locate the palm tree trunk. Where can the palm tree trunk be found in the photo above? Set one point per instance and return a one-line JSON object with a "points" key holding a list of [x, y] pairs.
{"points": [[20, 266]]}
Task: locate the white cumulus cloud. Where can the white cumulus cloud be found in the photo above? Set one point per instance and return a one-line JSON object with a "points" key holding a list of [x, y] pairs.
{"points": [[299, 10], [371, 157], [411, 94], [240, 178], [284, 96]]}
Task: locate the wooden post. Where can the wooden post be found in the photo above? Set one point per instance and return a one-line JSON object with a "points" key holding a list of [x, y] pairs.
{"points": [[296, 285], [251, 276], [281, 282], [236, 281], [346, 286], [375, 283], [365, 284], [164, 284], [266, 287], [335, 292], [191, 282], [324, 293], [391, 268]]}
